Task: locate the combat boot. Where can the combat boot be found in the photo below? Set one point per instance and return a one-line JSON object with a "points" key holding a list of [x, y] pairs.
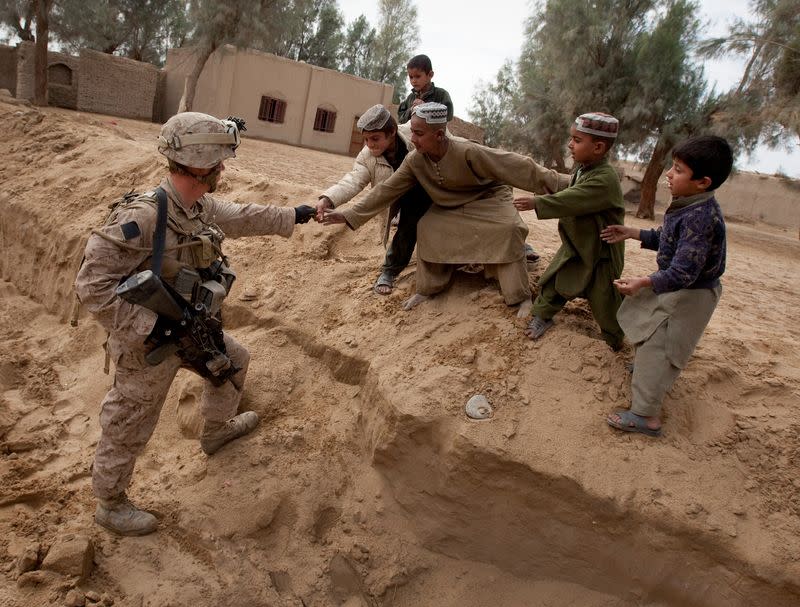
{"points": [[215, 435], [119, 515]]}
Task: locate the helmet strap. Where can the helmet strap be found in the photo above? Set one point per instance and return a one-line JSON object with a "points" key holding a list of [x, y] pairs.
{"points": [[211, 180]]}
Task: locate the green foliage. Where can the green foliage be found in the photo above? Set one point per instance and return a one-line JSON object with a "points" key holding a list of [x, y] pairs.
{"points": [[394, 43], [312, 32], [356, 48], [139, 29], [630, 58], [765, 105], [494, 109]]}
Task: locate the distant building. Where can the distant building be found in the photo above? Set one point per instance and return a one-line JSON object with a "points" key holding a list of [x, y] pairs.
{"points": [[281, 100]]}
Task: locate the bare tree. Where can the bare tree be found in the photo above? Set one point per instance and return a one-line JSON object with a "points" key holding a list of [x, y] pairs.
{"points": [[18, 15]]}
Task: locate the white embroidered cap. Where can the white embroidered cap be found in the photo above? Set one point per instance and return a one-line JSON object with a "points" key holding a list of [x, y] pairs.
{"points": [[598, 123], [432, 113]]}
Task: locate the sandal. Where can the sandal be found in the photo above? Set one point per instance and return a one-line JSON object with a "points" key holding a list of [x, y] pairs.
{"points": [[538, 327], [530, 254], [631, 422], [384, 285]]}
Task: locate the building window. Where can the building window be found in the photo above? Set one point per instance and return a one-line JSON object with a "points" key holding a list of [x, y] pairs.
{"points": [[271, 109], [325, 121]]}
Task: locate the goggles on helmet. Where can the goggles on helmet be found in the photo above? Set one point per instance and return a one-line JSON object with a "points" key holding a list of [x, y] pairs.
{"points": [[229, 137]]}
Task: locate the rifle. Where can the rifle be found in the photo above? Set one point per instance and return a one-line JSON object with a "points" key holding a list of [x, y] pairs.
{"points": [[194, 333]]}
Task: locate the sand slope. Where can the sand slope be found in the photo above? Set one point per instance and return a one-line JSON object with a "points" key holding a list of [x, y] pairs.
{"points": [[365, 483]]}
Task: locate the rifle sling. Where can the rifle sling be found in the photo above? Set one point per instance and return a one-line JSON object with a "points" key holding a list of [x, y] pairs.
{"points": [[160, 232]]}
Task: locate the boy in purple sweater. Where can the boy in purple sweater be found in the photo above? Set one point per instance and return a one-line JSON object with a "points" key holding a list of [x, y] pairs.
{"points": [[664, 314]]}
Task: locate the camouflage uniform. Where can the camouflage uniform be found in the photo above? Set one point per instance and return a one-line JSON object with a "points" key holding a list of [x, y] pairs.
{"points": [[131, 408]]}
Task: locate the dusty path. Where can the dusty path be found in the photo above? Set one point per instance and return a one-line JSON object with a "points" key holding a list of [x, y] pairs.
{"points": [[366, 484]]}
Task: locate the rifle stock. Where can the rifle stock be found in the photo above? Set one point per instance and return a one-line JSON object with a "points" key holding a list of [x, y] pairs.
{"points": [[191, 332]]}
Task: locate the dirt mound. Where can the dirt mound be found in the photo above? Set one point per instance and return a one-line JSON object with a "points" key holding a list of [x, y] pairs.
{"points": [[366, 484]]}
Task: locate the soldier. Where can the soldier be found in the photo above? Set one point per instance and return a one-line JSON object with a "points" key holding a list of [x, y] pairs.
{"points": [[189, 256]]}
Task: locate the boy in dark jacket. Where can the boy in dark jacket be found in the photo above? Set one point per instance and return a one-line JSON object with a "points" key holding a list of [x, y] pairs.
{"points": [[420, 75], [664, 314]]}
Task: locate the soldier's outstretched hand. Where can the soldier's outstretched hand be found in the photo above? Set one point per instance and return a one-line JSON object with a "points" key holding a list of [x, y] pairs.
{"points": [[303, 213]]}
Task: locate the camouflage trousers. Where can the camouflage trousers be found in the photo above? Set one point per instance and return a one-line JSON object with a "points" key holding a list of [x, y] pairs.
{"points": [[130, 410]]}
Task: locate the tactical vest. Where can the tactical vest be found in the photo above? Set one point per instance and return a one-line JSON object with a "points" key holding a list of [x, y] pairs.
{"points": [[197, 258]]}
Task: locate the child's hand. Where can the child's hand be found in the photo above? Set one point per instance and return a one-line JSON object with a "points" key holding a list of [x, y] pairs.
{"points": [[417, 101], [324, 203], [631, 286], [616, 233], [331, 217], [524, 203]]}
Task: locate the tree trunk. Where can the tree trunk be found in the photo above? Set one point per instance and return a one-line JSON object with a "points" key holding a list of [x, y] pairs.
{"points": [[647, 202], [40, 54], [190, 86], [557, 158]]}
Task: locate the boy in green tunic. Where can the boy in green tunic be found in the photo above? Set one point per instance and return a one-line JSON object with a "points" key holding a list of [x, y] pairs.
{"points": [[584, 265]]}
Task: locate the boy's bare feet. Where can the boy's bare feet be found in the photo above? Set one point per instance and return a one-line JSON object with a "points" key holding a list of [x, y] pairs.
{"points": [[525, 309], [413, 301]]}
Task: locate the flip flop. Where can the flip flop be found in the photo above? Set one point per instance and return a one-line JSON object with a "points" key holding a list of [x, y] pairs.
{"points": [[630, 422], [538, 327], [530, 254], [384, 280]]}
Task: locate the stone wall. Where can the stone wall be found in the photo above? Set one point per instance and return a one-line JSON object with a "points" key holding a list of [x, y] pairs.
{"points": [[8, 68], [117, 86]]}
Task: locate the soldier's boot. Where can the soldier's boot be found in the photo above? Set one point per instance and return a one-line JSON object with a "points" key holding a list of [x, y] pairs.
{"points": [[119, 515], [217, 434]]}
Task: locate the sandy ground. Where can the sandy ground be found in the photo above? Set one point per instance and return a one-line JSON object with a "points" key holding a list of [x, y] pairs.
{"points": [[365, 484]]}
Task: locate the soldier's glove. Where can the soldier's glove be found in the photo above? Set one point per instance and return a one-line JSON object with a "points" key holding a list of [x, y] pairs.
{"points": [[303, 213]]}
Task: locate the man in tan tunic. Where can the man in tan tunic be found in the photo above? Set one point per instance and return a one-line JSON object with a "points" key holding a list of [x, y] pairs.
{"points": [[472, 219], [196, 146]]}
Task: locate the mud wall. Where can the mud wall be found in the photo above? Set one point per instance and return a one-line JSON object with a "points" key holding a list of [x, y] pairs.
{"points": [[62, 80], [8, 68], [748, 197], [62, 76], [467, 130], [25, 70], [116, 86]]}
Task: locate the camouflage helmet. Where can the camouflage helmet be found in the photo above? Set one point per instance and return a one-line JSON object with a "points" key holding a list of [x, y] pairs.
{"points": [[198, 140]]}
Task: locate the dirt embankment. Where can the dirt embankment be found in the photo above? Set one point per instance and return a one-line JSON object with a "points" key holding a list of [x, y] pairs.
{"points": [[365, 483]]}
